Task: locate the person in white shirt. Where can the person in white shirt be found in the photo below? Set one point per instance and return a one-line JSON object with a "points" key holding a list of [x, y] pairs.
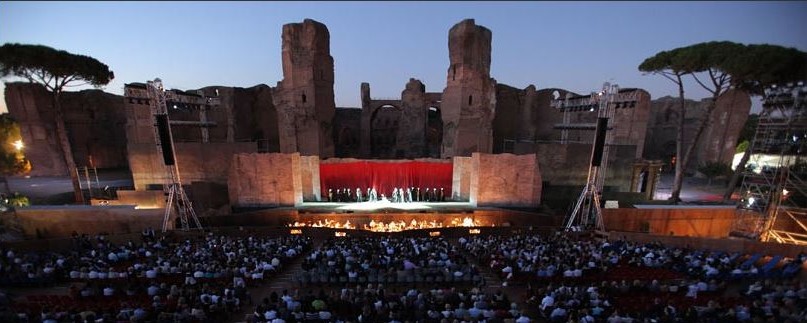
{"points": [[703, 286], [547, 301], [325, 315], [558, 313], [523, 319], [152, 290], [108, 291], [692, 290]]}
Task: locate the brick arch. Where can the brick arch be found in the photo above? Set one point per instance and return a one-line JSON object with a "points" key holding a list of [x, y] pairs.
{"points": [[384, 123], [434, 131]]}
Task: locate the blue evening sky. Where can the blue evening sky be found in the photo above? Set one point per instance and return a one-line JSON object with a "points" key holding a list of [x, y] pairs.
{"points": [[572, 45]]}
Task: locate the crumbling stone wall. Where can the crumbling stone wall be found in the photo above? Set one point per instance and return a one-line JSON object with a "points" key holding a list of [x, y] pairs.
{"points": [[304, 98], [411, 142], [469, 99], [94, 121], [347, 132], [245, 114], [265, 180], [197, 160], [719, 140], [505, 180], [407, 128]]}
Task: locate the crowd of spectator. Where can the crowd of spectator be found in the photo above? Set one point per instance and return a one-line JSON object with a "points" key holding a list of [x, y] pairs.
{"points": [[574, 279], [568, 278], [387, 260], [166, 278], [378, 303]]}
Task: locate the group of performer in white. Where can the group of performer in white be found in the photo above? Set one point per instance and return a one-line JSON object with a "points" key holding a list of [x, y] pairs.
{"points": [[399, 195]]}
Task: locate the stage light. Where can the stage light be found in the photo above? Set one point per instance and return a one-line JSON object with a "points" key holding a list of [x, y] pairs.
{"points": [[340, 234], [474, 231], [296, 231], [751, 201], [434, 234], [18, 145]]}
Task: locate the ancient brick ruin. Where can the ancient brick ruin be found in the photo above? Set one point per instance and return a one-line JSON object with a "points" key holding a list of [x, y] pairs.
{"points": [[94, 121], [304, 98], [474, 113], [469, 99]]}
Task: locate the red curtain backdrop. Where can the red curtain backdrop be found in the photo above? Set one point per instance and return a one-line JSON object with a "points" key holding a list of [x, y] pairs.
{"points": [[385, 176]]}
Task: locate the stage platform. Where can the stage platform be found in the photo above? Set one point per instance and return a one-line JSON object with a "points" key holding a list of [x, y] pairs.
{"points": [[361, 214], [385, 207]]}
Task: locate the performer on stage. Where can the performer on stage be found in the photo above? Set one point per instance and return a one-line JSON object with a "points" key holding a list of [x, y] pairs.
{"points": [[368, 194], [418, 197], [441, 196], [408, 195], [358, 195], [373, 195], [427, 195], [330, 195]]}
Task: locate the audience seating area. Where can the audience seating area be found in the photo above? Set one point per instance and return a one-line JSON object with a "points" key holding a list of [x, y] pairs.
{"points": [[395, 278]]}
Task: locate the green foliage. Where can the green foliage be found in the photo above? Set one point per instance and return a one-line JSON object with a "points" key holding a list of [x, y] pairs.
{"points": [[749, 128], [50, 67], [18, 200], [55, 70], [743, 146], [759, 66], [748, 67], [714, 169], [12, 160]]}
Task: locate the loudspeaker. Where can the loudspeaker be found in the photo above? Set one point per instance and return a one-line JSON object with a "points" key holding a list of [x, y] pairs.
{"points": [[164, 130], [599, 142]]}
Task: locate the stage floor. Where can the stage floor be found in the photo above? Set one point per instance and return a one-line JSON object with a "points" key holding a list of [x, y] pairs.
{"points": [[385, 206]]}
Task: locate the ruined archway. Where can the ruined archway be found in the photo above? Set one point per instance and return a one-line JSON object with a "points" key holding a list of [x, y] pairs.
{"points": [[434, 132], [347, 138], [384, 124]]}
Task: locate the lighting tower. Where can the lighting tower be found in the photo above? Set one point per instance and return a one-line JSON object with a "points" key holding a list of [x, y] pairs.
{"points": [[176, 198], [777, 193], [587, 212]]}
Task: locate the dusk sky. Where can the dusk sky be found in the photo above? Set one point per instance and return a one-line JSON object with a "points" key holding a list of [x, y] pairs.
{"points": [[571, 45]]}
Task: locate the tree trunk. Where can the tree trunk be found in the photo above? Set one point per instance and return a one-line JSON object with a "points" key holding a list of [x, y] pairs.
{"points": [[738, 172], [64, 144], [675, 194], [4, 179], [684, 162]]}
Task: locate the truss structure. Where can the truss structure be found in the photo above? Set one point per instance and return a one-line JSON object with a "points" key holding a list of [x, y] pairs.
{"points": [[176, 198], [587, 211], [775, 194]]}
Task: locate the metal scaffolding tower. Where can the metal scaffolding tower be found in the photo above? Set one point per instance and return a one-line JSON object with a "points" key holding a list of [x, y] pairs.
{"points": [[776, 193], [176, 199], [587, 212]]}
